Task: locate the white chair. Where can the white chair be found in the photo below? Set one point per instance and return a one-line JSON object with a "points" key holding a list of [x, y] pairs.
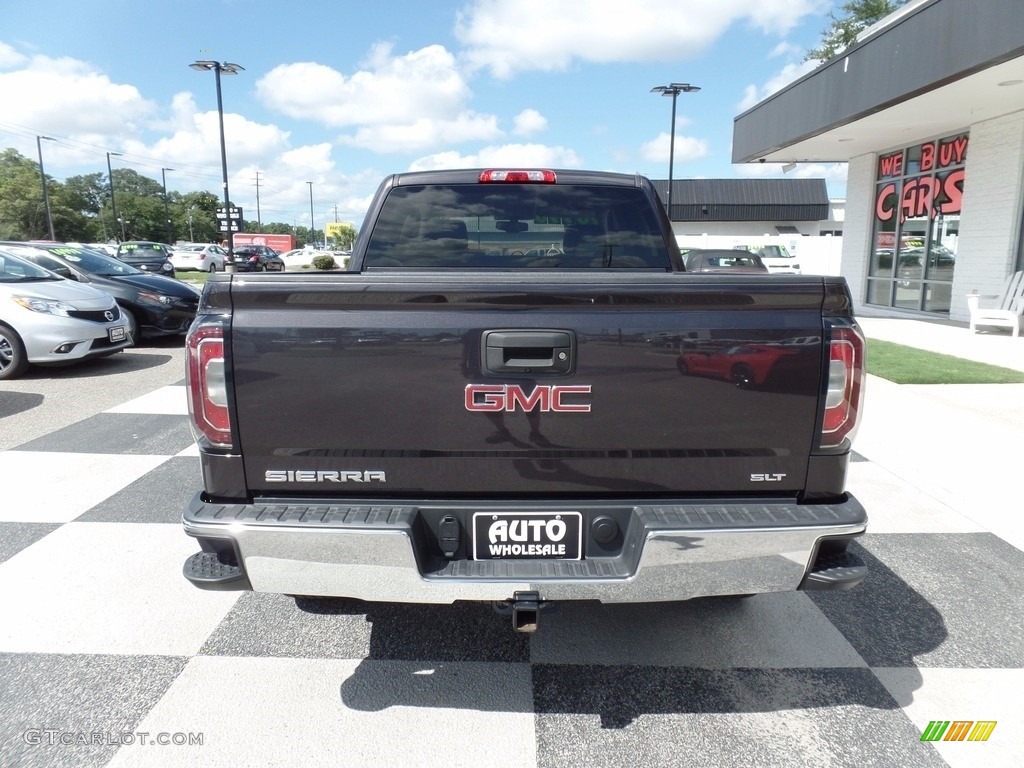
{"points": [[1009, 310]]}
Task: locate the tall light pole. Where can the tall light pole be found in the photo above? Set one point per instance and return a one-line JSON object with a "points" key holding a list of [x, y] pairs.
{"points": [[673, 90], [46, 194], [167, 215], [113, 203], [312, 227], [226, 68]]}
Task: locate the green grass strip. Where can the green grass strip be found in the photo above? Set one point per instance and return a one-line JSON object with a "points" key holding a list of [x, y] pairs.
{"points": [[908, 365]]}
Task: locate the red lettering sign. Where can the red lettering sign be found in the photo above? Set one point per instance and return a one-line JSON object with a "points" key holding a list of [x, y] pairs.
{"points": [[884, 208], [953, 192], [892, 165], [927, 157]]}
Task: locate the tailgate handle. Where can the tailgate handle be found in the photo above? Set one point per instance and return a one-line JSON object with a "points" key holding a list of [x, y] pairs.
{"points": [[528, 352]]}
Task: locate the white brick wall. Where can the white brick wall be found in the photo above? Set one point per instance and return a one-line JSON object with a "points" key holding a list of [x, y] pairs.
{"points": [[860, 206], [991, 216]]}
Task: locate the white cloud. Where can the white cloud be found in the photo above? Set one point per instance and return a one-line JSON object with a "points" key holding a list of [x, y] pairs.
{"points": [[505, 156], [423, 133], [788, 74], [508, 36], [78, 99], [530, 122], [786, 49], [425, 83], [9, 57], [686, 148], [414, 102], [194, 138]]}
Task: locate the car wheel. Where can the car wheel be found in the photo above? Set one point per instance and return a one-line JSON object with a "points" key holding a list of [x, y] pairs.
{"points": [[133, 325], [13, 361], [742, 375], [213, 267]]}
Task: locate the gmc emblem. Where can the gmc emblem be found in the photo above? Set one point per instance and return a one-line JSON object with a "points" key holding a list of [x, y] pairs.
{"points": [[507, 397]]}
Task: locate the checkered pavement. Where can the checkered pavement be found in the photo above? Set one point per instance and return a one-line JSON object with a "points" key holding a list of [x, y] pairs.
{"points": [[105, 648]]}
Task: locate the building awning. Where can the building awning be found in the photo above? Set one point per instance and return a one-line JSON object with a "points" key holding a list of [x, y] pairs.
{"points": [[930, 69]]}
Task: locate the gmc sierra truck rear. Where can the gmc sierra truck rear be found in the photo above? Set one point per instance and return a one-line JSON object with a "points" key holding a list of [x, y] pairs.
{"points": [[516, 394]]}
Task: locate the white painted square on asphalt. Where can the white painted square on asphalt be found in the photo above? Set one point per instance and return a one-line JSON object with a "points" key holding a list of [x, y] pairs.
{"points": [[970, 695], [171, 400], [895, 506], [107, 588], [53, 487], [288, 711], [772, 631]]}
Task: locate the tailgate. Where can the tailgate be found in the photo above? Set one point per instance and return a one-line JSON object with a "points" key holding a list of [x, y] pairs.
{"points": [[418, 386]]}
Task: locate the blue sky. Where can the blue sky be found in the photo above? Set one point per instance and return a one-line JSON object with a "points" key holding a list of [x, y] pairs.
{"points": [[344, 93]]}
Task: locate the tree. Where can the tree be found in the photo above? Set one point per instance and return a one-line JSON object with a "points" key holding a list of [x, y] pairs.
{"points": [[843, 31], [22, 212]]}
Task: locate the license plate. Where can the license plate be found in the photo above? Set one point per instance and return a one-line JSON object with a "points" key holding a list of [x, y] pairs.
{"points": [[527, 536], [116, 334]]}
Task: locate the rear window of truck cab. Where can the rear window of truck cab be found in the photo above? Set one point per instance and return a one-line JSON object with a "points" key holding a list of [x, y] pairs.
{"points": [[529, 226]]}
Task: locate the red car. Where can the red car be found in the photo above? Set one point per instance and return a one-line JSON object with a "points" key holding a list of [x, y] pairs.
{"points": [[745, 365]]}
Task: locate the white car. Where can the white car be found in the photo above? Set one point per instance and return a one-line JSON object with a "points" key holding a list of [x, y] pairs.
{"points": [[202, 257], [45, 319], [301, 257]]}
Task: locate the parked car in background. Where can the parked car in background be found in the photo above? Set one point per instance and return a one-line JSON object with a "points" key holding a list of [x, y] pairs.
{"points": [[147, 256], [745, 365], [202, 257], [46, 319], [724, 261], [153, 305], [257, 258], [777, 258], [301, 257]]}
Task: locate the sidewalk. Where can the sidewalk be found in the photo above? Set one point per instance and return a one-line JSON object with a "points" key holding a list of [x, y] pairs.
{"points": [[958, 445]]}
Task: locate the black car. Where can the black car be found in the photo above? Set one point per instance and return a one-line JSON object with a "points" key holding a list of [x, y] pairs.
{"points": [[153, 304], [147, 256], [257, 258]]}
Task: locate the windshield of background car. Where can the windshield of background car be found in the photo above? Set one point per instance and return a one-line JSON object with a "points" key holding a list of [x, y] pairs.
{"points": [[141, 251], [15, 270], [517, 226], [91, 261]]}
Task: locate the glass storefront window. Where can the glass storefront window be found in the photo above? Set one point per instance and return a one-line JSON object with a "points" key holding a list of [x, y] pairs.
{"points": [[916, 225]]}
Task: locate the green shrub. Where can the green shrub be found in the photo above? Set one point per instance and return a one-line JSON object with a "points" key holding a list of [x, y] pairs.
{"points": [[324, 262]]}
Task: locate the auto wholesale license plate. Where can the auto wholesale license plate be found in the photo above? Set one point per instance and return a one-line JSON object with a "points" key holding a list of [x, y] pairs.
{"points": [[527, 536], [116, 334]]}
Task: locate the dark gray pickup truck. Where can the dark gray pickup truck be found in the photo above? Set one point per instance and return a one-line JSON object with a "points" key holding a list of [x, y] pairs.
{"points": [[516, 394]]}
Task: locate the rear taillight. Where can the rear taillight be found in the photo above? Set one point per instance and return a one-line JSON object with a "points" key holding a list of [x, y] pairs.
{"points": [[844, 395], [492, 176], [207, 385]]}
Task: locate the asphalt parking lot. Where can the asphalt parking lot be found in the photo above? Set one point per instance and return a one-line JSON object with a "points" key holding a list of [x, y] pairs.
{"points": [[108, 657]]}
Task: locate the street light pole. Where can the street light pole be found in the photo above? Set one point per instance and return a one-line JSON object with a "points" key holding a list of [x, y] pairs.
{"points": [[673, 90], [110, 178], [46, 194], [312, 226], [228, 69], [167, 215]]}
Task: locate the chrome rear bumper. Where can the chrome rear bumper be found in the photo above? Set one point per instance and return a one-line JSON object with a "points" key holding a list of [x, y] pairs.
{"points": [[669, 551]]}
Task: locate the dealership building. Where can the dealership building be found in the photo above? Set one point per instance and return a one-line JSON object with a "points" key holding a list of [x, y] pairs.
{"points": [[927, 108]]}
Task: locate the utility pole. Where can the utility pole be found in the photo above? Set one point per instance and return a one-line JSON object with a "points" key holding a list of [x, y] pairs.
{"points": [[259, 221]]}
